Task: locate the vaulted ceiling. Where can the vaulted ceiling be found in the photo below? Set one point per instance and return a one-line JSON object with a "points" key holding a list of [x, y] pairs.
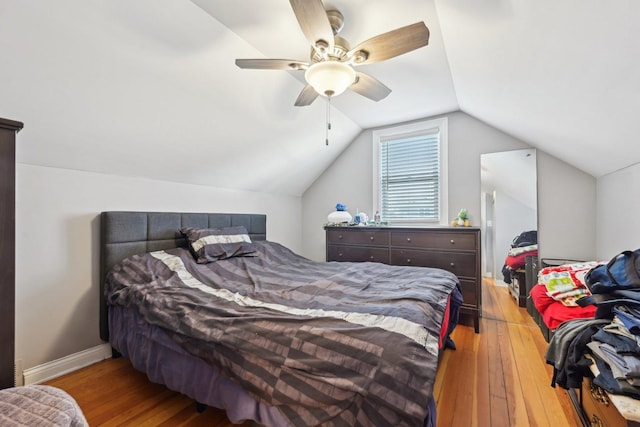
{"points": [[149, 88]]}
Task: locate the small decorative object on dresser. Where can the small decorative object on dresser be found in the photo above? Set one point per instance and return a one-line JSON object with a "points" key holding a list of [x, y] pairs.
{"points": [[462, 220], [453, 249], [339, 216]]}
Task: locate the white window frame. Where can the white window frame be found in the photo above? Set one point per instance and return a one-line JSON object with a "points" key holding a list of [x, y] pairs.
{"points": [[403, 131]]}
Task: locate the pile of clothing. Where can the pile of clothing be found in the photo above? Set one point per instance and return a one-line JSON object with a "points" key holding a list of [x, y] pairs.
{"points": [[610, 344], [611, 340], [616, 351]]}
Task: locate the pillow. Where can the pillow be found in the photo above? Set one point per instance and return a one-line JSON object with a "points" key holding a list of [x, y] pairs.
{"points": [[212, 244]]}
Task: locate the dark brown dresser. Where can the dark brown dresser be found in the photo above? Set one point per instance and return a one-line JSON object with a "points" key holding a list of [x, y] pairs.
{"points": [[8, 130], [449, 248]]}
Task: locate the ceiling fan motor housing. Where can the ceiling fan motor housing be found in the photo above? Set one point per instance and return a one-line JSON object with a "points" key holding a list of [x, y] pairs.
{"points": [[336, 19], [340, 48]]}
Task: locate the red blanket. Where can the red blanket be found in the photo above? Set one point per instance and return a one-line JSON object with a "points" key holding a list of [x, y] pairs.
{"points": [[517, 261], [554, 312]]}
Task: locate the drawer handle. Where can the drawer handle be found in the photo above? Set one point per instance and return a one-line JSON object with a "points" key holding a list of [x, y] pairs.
{"points": [[408, 239], [371, 257], [339, 236], [453, 264], [371, 237], [452, 242], [598, 394], [595, 421], [340, 255], [408, 260]]}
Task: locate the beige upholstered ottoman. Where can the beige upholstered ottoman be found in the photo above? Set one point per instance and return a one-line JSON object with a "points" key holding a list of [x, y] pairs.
{"points": [[39, 405]]}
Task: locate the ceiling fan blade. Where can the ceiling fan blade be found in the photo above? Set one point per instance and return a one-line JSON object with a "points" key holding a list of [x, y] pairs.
{"points": [[369, 87], [393, 43], [272, 64], [314, 23], [306, 97]]}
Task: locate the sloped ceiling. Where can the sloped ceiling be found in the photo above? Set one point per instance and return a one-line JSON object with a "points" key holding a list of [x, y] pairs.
{"points": [[512, 173], [149, 88], [563, 76]]}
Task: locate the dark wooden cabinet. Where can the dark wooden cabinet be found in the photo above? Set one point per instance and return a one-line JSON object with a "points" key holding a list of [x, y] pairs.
{"points": [[8, 130], [449, 248]]}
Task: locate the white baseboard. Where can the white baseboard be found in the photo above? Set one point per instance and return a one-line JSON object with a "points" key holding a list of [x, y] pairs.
{"points": [[55, 368]]}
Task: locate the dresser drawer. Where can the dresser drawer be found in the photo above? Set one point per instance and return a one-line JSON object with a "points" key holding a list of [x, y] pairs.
{"points": [[459, 263], [359, 237], [598, 408], [434, 240], [469, 292], [357, 254]]}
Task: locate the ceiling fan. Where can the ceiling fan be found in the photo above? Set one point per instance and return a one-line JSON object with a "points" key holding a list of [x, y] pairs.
{"points": [[330, 70]]}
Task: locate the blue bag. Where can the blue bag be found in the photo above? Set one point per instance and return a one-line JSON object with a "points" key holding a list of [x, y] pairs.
{"points": [[621, 272]]}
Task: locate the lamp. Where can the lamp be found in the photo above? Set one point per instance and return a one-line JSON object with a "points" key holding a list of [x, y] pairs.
{"points": [[330, 78]]}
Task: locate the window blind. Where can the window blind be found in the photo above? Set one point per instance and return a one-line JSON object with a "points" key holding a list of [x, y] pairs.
{"points": [[410, 178]]}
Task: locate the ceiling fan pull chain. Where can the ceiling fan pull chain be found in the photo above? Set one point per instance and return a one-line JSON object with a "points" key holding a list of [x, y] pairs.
{"points": [[328, 120]]}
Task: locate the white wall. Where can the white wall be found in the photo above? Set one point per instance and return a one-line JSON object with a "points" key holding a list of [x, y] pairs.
{"points": [[562, 189], [566, 210], [349, 179], [617, 210], [57, 252]]}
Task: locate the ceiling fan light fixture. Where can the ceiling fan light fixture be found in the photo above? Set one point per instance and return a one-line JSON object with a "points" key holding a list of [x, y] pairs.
{"points": [[330, 78]]}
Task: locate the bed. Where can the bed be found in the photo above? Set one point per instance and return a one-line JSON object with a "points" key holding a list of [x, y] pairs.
{"points": [[270, 336]]}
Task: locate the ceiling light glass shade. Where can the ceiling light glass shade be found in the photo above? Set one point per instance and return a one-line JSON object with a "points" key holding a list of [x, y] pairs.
{"points": [[330, 78]]}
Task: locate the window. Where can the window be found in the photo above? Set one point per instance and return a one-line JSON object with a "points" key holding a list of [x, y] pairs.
{"points": [[410, 175]]}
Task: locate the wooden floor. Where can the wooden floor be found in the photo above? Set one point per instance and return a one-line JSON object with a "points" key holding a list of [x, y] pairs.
{"points": [[499, 377], [493, 379]]}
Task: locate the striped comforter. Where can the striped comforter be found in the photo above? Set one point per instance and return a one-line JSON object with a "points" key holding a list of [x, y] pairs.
{"points": [[332, 344]]}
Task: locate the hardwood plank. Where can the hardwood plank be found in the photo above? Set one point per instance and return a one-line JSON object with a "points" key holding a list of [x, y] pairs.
{"points": [[482, 402], [501, 305], [502, 412], [113, 393], [533, 381], [466, 408], [456, 369]]}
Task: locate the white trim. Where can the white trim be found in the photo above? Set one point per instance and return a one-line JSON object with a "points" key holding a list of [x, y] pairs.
{"points": [[73, 362], [380, 135], [18, 380]]}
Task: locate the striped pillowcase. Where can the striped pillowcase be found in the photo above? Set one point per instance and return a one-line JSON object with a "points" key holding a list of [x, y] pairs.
{"points": [[213, 244]]}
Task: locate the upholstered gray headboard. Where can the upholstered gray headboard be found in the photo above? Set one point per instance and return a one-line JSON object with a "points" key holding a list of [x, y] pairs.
{"points": [[123, 234]]}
